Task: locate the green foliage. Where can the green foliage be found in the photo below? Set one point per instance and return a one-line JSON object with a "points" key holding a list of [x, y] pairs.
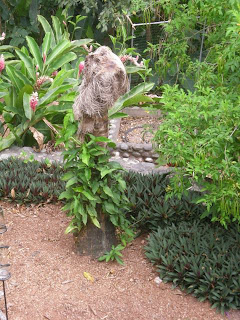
{"points": [[149, 207], [200, 136], [200, 258], [131, 98], [93, 184], [19, 18], [113, 254], [108, 12], [30, 181], [44, 70]]}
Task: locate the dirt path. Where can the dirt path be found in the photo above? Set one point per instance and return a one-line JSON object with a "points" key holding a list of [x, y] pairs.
{"points": [[48, 277]]}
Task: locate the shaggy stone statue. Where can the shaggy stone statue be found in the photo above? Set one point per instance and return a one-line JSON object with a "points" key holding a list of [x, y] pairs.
{"points": [[104, 81]]}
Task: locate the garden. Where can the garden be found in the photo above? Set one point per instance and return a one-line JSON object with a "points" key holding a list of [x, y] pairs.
{"points": [[163, 243]]}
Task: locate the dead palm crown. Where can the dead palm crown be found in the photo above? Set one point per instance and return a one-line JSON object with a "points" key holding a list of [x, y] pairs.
{"points": [[104, 81]]}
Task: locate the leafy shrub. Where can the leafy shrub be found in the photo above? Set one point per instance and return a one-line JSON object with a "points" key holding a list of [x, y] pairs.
{"points": [[30, 181], [200, 135], [38, 86], [93, 185], [201, 258], [149, 206]]}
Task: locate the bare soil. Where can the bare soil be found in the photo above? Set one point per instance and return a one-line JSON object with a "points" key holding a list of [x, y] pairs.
{"points": [[48, 279], [138, 130]]}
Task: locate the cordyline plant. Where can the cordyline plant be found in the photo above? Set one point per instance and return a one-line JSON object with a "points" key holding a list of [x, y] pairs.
{"points": [[37, 86]]}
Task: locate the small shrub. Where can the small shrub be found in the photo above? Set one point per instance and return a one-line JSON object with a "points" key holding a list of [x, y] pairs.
{"points": [[201, 258]]}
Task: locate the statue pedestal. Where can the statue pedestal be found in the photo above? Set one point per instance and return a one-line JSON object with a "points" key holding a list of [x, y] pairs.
{"points": [[95, 242]]}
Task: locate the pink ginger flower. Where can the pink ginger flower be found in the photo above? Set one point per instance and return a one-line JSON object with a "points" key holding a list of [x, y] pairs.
{"points": [[80, 67], [44, 58], [3, 36], [2, 63], [34, 101], [54, 73], [64, 23], [41, 80]]}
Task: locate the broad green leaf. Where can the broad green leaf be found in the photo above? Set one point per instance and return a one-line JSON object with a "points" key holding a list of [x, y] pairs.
{"points": [[15, 80], [136, 99], [61, 107], [88, 173], [139, 89], [118, 115], [88, 195], [78, 189], [70, 228], [67, 206], [10, 62], [7, 142], [108, 191], [46, 43], [84, 217], [58, 50], [7, 55], [52, 94], [95, 186], [6, 47], [69, 97], [57, 28], [68, 176], [26, 106], [105, 171], [66, 195], [110, 207], [122, 183], [71, 182], [28, 63], [58, 63], [22, 77], [91, 211], [102, 139], [35, 51], [47, 28], [80, 43], [12, 136], [134, 69], [95, 222], [111, 144], [61, 77], [85, 158]]}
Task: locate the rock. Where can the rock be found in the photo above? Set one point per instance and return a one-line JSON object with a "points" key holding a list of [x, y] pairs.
{"points": [[124, 146], [155, 156], [147, 147], [137, 147], [125, 155], [136, 154], [149, 160], [157, 280]]}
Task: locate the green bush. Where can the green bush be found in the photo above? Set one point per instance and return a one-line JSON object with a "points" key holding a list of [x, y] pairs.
{"points": [[202, 259], [200, 135], [28, 182]]}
